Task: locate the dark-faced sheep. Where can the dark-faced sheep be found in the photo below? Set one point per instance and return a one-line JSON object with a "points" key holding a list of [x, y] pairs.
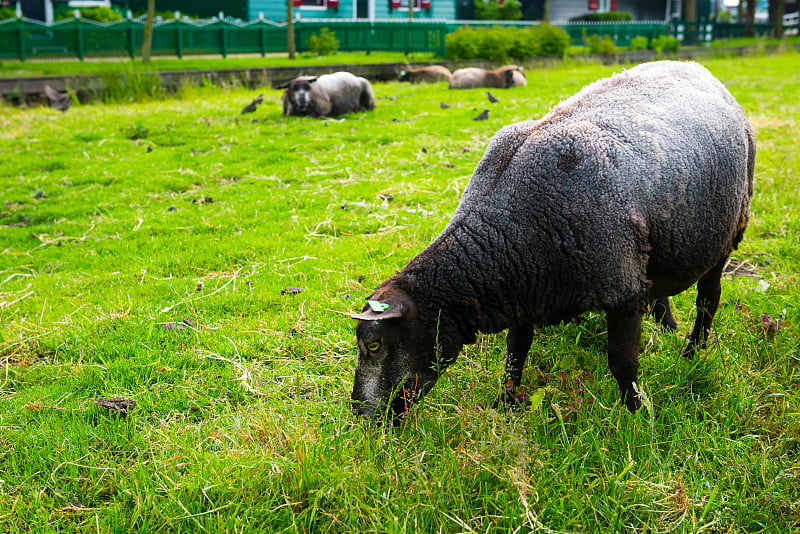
{"points": [[329, 95], [434, 73], [502, 78], [623, 195]]}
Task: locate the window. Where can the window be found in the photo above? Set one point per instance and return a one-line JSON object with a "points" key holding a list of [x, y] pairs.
{"points": [[313, 3], [404, 4]]}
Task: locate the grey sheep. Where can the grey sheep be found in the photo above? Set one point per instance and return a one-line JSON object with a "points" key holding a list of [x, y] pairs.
{"points": [[623, 195], [501, 78], [329, 95]]}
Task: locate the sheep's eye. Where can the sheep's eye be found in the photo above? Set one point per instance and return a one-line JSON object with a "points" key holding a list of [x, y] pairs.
{"points": [[374, 346]]}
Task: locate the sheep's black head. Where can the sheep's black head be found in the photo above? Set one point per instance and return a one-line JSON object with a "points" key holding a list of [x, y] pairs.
{"points": [[298, 91], [400, 356], [403, 76]]}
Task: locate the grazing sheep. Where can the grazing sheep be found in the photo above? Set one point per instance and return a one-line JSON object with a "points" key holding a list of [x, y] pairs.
{"points": [[329, 95], [502, 78], [623, 195], [434, 73]]}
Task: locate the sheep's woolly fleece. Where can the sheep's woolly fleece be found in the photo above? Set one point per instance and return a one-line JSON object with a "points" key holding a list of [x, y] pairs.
{"points": [[639, 183]]}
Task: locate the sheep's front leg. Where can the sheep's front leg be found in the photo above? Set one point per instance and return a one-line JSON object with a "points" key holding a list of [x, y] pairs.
{"points": [[624, 326], [519, 341], [709, 290]]}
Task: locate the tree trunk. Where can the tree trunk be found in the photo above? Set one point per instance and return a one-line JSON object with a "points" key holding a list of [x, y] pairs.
{"points": [[690, 11], [750, 17], [147, 39], [290, 30], [776, 8]]}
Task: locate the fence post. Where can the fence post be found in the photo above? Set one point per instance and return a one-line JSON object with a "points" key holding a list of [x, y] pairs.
{"points": [[21, 25], [79, 31], [131, 40], [263, 39], [223, 39], [179, 44]]}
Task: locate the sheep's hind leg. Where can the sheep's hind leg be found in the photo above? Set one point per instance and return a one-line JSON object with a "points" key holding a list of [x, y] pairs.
{"points": [[624, 327], [709, 290], [519, 341], [662, 314]]}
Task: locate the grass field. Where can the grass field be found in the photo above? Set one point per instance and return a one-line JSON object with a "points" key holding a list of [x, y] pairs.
{"points": [[148, 251], [13, 69]]}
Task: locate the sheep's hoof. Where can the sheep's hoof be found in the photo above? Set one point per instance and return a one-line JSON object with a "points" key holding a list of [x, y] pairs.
{"points": [[510, 398], [632, 402], [690, 351]]}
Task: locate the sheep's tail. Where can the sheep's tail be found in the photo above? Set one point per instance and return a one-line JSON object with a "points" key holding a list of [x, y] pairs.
{"points": [[751, 170], [367, 98]]}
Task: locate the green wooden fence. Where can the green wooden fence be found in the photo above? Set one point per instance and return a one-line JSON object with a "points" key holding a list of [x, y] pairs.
{"points": [[24, 39], [77, 38]]}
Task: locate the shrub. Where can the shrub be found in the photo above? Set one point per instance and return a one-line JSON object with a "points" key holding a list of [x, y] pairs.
{"points": [[7, 13], [665, 43], [324, 44], [598, 45], [97, 14], [639, 43], [505, 42], [608, 16], [552, 40], [493, 10]]}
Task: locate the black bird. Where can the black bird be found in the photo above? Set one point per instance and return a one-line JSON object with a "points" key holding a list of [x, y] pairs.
{"points": [[57, 99], [483, 116], [444, 106], [491, 98], [251, 107]]}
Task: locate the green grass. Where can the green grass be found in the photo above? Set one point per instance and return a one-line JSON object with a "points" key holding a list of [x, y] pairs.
{"points": [[14, 69], [242, 421]]}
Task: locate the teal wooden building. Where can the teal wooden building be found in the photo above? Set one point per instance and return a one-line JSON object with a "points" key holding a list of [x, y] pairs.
{"points": [[358, 9]]}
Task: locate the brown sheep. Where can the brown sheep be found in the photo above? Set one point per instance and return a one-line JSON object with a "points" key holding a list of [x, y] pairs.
{"points": [[434, 73], [470, 78]]}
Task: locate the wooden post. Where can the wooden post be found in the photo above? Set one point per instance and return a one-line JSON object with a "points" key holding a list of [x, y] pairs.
{"points": [[147, 40], [410, 26], [290, 30]]}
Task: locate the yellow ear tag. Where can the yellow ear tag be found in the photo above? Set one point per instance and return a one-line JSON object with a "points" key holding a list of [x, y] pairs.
{"points": [[377, 307]]}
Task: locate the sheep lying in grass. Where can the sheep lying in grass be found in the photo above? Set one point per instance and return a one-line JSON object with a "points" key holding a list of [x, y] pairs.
{"points": [[434, 73], [502, 78], [623, 195], [329, 95]]}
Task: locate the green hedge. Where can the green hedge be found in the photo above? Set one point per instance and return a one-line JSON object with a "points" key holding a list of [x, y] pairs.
{"points": [[503, 42]]}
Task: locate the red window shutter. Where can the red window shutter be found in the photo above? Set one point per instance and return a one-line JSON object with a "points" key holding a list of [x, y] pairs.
{"points": [[333, 3], [297, 3], [592, 5], [613, 5], [425, 4], [394, 4]]}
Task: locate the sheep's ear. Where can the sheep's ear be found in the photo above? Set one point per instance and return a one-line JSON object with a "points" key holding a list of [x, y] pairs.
{"points": [[377, 311], [285, 84], [312, 79]]}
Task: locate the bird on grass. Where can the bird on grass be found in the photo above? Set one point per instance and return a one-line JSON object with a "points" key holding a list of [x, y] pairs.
{"points": [[483, 116], [58, 99], [491, 97], [252, 106], [444, 105]]}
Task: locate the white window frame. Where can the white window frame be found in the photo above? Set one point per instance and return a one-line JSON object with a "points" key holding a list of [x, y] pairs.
{"points": [[323, 7], [417, 5]]}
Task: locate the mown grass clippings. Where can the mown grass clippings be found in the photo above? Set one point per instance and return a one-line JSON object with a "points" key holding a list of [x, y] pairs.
{"points": [[123, 281]]}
